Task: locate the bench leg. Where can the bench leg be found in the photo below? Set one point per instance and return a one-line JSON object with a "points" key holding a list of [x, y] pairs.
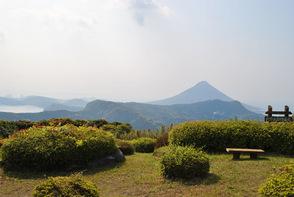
{"points": [[253, 156], [236, 156]]}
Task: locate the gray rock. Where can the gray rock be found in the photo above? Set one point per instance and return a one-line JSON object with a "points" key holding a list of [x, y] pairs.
{"points": [[119, 156], [116, 157]]}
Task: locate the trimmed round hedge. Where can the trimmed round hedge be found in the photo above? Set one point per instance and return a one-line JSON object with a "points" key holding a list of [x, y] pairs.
{"points": [[66, 187], [126, 147], [54, 148], [279, 184], [216, 136], [184, 162], [144, 145]]}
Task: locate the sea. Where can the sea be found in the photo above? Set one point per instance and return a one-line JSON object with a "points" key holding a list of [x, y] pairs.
{"points": [[20, 108]]}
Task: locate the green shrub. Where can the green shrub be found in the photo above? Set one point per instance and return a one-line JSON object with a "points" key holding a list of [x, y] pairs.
{"points": [[96, 123], [117, 129], [162, 140], [144, 145], [126, 147], [66, 187], [53, 148], [279, 184], [184, 162], [159, 152], [2, 142], [7, 128], [215, 136]]}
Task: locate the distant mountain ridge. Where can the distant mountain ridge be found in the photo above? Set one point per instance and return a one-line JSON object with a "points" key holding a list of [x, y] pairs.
{"points": [[146, 116], [201, 102]]}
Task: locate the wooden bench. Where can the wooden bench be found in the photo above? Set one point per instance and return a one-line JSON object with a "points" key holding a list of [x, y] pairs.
{"points": [[238, 151]]}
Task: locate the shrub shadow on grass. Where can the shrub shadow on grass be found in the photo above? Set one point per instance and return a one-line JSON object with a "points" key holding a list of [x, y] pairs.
{"points": [[209, 179], [27, 174], [91, 168], [269, 155], [249, 159], [101, 167]]}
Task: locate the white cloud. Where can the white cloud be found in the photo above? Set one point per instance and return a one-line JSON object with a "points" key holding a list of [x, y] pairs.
{"points": [[58, 18], [166, 11], [99, 48], [2, 37], [141, 9]]}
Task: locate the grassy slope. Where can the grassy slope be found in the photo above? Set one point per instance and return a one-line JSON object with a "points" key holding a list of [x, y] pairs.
{"points": [[140, 176]]}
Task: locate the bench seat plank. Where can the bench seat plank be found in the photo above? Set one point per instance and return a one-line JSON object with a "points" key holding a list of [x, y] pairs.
{"points": [[244, 150]]}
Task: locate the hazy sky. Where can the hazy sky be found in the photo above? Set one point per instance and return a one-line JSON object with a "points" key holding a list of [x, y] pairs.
{"points": [[143, 50]]}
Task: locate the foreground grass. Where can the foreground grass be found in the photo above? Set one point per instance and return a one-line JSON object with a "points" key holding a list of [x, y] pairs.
{"points": [[140, 176]]}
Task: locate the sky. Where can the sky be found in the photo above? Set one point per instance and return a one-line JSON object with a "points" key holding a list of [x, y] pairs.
{"points": [[144, 50]]}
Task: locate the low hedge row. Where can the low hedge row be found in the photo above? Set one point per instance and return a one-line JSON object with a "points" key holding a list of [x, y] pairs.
{"points": [[215, 136], [10, 127], [51, 148], [144, 145], [279, 184], [126, 147], [66, 187]]}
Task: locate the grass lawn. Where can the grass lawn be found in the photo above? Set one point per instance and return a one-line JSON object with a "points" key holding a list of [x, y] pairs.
{"points": [[140, 175]]}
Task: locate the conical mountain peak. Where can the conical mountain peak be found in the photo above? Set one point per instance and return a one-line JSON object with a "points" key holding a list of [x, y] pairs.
{"points": [[202, 91], [202, 83]]}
